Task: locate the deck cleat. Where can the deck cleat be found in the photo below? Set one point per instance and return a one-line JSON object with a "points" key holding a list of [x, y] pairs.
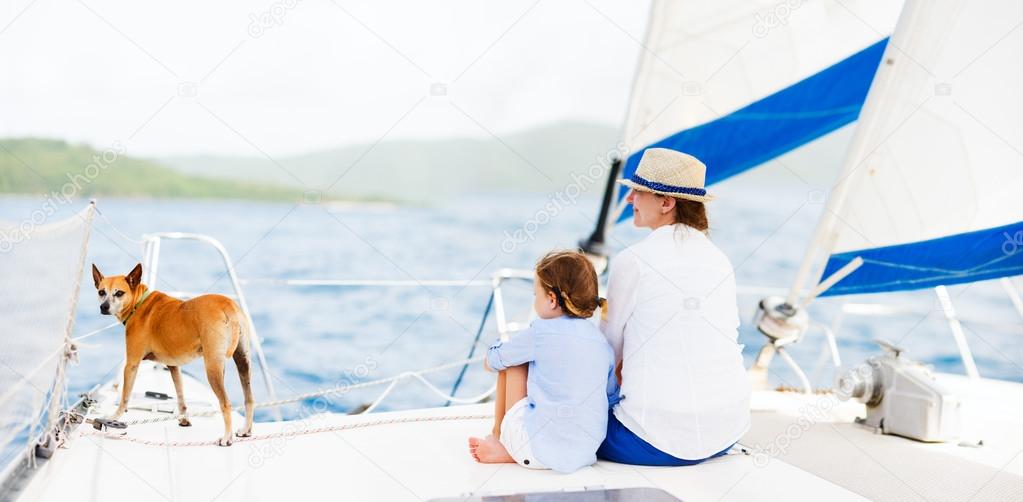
{"points": [[107, 423]]}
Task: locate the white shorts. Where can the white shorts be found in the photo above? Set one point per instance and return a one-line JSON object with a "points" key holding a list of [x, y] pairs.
{"points": [[515, 438]]}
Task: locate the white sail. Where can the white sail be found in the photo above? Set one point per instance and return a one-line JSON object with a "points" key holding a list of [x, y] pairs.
{"points": [[739, 82], [932, 190]]}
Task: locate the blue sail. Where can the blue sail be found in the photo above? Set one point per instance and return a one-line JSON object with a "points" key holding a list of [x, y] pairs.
{"points": [[778, 123], [968, 257]]}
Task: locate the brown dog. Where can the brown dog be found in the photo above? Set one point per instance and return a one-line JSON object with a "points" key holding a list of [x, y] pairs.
{"points": [[174, 332]]}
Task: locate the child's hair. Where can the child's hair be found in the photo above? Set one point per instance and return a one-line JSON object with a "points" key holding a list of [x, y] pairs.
{"points": [[572, 279]]}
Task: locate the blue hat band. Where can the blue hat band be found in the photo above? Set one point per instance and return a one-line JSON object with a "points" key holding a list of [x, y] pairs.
{"points": [[661, 187]]}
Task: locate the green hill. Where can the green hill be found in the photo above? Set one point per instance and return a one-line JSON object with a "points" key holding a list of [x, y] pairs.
{"points": [[31, 165], [541, 159]]}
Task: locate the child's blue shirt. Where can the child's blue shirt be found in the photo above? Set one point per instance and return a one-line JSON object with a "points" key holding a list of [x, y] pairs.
{"points": [[571, 378]]}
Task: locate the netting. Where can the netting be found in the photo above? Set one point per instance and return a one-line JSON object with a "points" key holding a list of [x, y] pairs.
{"points": [[40, 270]]}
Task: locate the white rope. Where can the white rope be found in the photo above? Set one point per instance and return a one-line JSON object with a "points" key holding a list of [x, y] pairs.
{"points": [[453, 283], [64, 349], [439, 393], [285, 433], [114, 227], [381, 397], [96, 332], [324, 392]]}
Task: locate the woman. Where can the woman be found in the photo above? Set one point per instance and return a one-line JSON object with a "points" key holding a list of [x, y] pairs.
{"points": [[673, 324]]}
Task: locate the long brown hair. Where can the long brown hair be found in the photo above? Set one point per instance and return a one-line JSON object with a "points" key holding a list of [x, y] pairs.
{"points": [[691, 213], [572, 279]]}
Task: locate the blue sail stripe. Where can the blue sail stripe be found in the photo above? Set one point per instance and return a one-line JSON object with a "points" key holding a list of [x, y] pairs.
{"points": [[778, 123], [968, 257], [937, 270]]}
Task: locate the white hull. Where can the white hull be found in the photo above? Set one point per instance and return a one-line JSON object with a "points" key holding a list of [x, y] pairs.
{"points": [[825, 457]]}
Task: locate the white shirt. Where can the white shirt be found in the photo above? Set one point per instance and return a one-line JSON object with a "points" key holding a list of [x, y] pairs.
{"points": [[673, 316]]}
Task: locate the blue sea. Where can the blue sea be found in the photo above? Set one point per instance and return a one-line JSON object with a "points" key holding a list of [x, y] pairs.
{"points": [[322, 336]]}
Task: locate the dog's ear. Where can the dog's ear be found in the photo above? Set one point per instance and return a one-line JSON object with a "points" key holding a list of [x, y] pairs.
{"points": [[96, 275], [134, 277]]}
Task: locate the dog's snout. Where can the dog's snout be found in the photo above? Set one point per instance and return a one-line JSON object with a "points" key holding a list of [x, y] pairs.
{"points": [[104, 308]]}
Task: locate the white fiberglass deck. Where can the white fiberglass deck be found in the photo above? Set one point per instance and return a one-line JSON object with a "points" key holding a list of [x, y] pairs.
{"points": [[425, 460]]}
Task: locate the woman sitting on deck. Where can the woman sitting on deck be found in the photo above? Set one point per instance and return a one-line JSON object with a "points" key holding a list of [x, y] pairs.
{"points": [[673, 322], [555, 377]]}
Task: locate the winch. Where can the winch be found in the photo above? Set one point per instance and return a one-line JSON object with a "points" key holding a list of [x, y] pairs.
{"points": [[902, 397]]}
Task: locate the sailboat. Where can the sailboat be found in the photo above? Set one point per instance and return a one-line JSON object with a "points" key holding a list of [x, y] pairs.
{"points": [[928, 192]]}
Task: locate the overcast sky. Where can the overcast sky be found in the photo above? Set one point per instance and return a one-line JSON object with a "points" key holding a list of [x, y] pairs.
{"points": [[297, 75]]}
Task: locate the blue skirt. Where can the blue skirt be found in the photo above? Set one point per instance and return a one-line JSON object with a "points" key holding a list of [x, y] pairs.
{"points": [[623, 446]]}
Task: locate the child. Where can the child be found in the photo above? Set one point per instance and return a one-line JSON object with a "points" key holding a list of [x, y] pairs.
{"points": [[552, 413]]}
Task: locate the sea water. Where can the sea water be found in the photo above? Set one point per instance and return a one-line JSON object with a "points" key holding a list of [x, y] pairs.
{"points": [[317, 336]]}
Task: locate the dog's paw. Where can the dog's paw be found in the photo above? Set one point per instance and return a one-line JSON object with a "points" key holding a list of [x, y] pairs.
{"points": [[243, 433], [184, 422], [225, 441]]}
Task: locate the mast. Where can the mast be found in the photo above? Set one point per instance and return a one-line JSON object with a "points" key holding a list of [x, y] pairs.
{"points": [[595, 243]]}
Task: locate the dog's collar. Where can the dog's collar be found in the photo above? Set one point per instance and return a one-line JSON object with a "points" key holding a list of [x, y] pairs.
{"points": [[136, 307]]}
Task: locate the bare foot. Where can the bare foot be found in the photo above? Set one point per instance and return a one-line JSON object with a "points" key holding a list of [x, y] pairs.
{"points": [[489, 451]]}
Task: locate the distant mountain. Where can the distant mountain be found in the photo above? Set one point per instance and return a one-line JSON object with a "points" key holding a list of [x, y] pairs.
{"points": [[541, 159], [32, 165]]}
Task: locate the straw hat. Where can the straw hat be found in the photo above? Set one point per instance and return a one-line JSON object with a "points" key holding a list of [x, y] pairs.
{"points": [[671, 173]]}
